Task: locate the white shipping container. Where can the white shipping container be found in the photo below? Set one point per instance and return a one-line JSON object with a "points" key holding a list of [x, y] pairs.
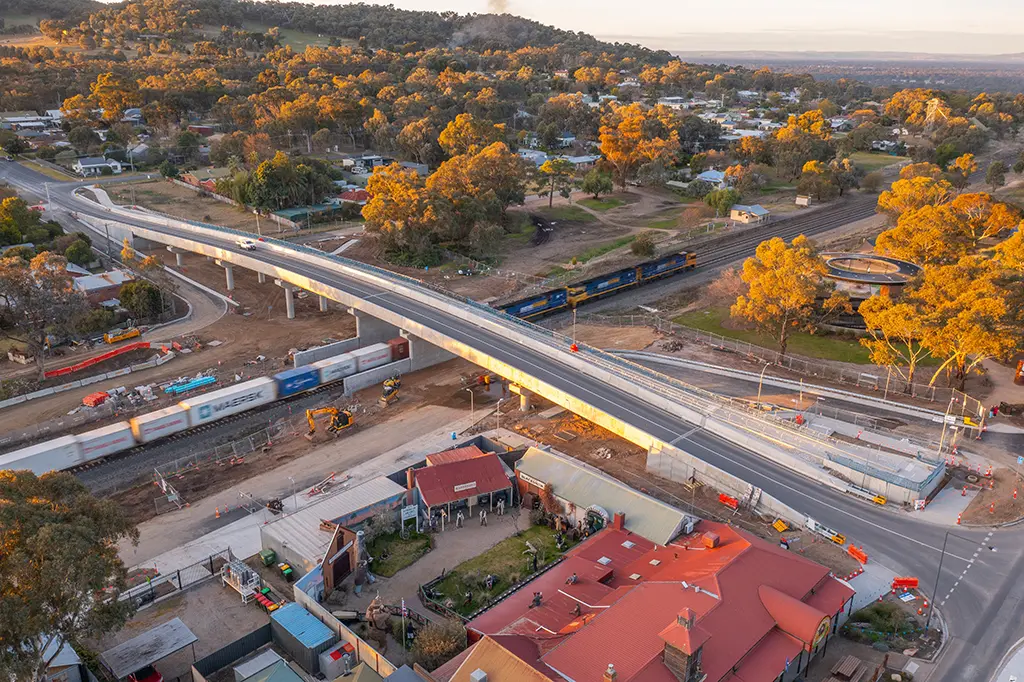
{"points": [[335, 368], [152, 425], [372, 356], [53, 455], [203, 409], [106, 440]]}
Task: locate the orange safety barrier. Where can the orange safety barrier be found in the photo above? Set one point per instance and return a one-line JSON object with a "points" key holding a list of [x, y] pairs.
{"points": [[857, 554], [730, 502], [138, 345], [904, 583]]}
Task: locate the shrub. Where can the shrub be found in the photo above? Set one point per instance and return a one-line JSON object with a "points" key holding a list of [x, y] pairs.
{"points": [[436, 643], [643, 245]]}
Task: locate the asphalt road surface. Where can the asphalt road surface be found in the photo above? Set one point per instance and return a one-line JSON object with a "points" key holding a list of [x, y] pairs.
{"points": [[981, 611]]}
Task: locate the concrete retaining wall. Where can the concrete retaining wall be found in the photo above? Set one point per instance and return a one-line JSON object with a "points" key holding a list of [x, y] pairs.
{"points": [[311, 355], [372, 377]]}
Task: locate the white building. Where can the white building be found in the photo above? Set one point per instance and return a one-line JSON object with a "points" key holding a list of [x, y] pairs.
{"points": [[93, 165], [749, 215]]}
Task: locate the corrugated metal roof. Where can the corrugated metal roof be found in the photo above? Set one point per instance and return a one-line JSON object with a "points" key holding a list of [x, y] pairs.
{"points": [[301, 533], [584, 486], [302, 625], [278, 672], [148, 648], [454, 455], [257, 663], [455, 481]]}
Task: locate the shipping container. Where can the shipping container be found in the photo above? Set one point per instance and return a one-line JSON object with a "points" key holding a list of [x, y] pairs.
{"points": [[168, 421], [301, 635], [203, 409], [372, 356], [106, 440], [399, 348], [53, 455], [297, 380], [335, 368]]}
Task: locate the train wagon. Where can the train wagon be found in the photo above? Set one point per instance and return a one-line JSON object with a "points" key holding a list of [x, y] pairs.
{"points": [[668, 265], [540, 304], [166, 422], [53, 455], [335, 368], [602, 285], [297, 380], [106, 441], [209, 407]]}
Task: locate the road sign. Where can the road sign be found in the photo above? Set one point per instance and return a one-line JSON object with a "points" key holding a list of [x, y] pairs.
{"points": [[409, 512]]}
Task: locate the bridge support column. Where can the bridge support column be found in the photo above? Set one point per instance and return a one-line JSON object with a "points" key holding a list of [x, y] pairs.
{"points": [[370, 330], [179, 254], [289, 298], [323, 304], [229, 273], [423, 354], [261, 278], [525, 404]]}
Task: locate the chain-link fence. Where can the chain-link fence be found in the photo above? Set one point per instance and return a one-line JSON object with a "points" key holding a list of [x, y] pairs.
{"points": [[882, 380], [230, 453], [163, 585]]}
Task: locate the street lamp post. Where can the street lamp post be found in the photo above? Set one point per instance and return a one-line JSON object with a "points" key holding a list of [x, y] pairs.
{"points": [[258, 232], [295, 497], [497, 415], [760, 383], [472, 406]]}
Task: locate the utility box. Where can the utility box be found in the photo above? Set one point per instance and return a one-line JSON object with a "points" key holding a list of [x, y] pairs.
{"points": [[337, 660]]}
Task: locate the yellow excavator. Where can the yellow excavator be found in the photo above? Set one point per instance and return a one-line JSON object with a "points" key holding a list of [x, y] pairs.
{"points": [[340, 420], [389, 392]]}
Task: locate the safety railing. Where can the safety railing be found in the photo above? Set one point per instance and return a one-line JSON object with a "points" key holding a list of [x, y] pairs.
{"points": [[693, 397]]}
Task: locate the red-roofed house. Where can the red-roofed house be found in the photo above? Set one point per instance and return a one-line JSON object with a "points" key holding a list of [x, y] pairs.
{"points": [[462, 483], [355, 196], [739, 610]]}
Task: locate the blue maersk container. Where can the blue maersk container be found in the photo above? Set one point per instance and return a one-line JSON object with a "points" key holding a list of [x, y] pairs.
{"points": [[292, 381]]}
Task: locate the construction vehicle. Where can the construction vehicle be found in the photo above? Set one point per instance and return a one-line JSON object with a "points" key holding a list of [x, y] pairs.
{"points": [[389, 391], [340, 420], [116, 335]]}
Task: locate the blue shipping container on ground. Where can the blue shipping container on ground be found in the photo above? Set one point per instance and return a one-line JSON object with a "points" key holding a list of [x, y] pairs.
{"points": [[292, 381], [301, 635]]}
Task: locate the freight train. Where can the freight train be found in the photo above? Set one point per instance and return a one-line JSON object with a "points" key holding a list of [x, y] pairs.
{"points": [[572, 295], [69, 452]]}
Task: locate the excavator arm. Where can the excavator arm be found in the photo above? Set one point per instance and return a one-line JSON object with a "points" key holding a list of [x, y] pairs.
{"points": [[340, 419]]}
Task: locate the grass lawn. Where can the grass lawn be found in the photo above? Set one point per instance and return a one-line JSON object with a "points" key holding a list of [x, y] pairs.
{"points": [[872, 161], [507, 561], [605, 204], [520, 233], [824, 346], [573, 213], [664, 224], [298, 40], [401, 553], [16, 19], [595, 251], [48, 171]]}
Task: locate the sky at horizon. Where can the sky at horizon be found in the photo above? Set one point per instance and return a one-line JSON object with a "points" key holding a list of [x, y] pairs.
{"points": [[937, 26]]}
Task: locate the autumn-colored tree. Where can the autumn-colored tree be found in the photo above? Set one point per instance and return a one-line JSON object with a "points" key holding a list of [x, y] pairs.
{"points": [[845, 174], [1010, 253], [113, 94], [400, 209], [468, 135], [981, 217], [60, 573], [38, 299], [380, 130], [924, 169], [784, 283], [967, 316], [816, 180], [928, 235], [78, 110], [753, 149], [961, 169], [632, 135], [418, 139], [895, 330], [499, 178], [909, 194], [911, 106], [557, 177]]}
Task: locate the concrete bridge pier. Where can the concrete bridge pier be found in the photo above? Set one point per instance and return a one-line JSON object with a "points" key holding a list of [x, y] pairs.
{"points": [[229, 273], [423, 354], [371, 330], [261, 277], [323, 304], [525, 398], [289, 298], [179, 255]]}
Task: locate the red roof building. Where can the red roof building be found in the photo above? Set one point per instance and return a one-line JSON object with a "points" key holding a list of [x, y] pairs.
{"points": [[463, 481], [454, 455], [741, 610], [355, 196]]}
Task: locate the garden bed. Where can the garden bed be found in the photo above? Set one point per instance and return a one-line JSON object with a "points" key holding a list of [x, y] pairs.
{"points": [[391, 553]]}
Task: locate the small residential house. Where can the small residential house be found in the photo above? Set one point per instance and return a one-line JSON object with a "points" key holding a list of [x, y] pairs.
{"points": [[205, 178], [355, 196], [204, 130], [66, 666], [92, 166], [582, 163], [749, 215], [534, 156], [715, 177], [104, 288], [133, 116]]}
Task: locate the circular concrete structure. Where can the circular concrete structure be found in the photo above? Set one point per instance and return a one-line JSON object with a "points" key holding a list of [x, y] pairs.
{"points": [[868, 268]]}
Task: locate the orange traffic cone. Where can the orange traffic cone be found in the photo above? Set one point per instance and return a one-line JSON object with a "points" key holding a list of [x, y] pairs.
{"points": [[992, 509], [963, 493], [216, 512], [958, 519], [1015, 493]]}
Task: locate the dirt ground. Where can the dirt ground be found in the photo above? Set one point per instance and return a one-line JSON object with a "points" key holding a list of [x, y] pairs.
{"points": [[439, 386], [598, 447], [165, 196], [614, 338], [259, 326], [981, 511]]}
